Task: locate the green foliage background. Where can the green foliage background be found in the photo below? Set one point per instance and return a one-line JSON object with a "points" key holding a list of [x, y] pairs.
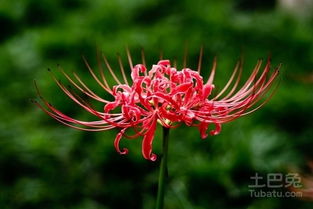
{"points": [[46, 165]]}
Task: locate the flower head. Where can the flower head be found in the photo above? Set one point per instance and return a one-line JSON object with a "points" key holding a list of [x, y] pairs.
{"points": [[166, 96]]}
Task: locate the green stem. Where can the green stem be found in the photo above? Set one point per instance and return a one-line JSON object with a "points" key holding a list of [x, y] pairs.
{"points": [[163, 169]]}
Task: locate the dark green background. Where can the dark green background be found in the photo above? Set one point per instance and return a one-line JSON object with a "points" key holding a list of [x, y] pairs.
{"points": [[46, 165]]}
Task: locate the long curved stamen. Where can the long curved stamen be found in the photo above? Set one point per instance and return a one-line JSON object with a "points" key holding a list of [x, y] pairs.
{"points": [[236, 82], [94, 75], [200, 59], [105, 82], [93, 95], [86, 91], [211, 78], [62, 117], [229, 82], [110, 69], [129, 58], [122, 68]]}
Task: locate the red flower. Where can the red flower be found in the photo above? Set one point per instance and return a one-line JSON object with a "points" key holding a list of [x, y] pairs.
{"points": [[165, 95]]}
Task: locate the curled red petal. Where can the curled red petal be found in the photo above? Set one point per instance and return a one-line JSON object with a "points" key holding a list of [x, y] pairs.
{"points": [[117, 143], [147, 142], [203, 127], [217, 130]]}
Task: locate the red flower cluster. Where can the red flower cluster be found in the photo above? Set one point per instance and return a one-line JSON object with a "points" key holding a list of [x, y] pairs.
{"points": [[165, 95]]}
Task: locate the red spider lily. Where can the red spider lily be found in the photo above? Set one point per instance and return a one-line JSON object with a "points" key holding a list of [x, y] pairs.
{"points": [[165, 95]]}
